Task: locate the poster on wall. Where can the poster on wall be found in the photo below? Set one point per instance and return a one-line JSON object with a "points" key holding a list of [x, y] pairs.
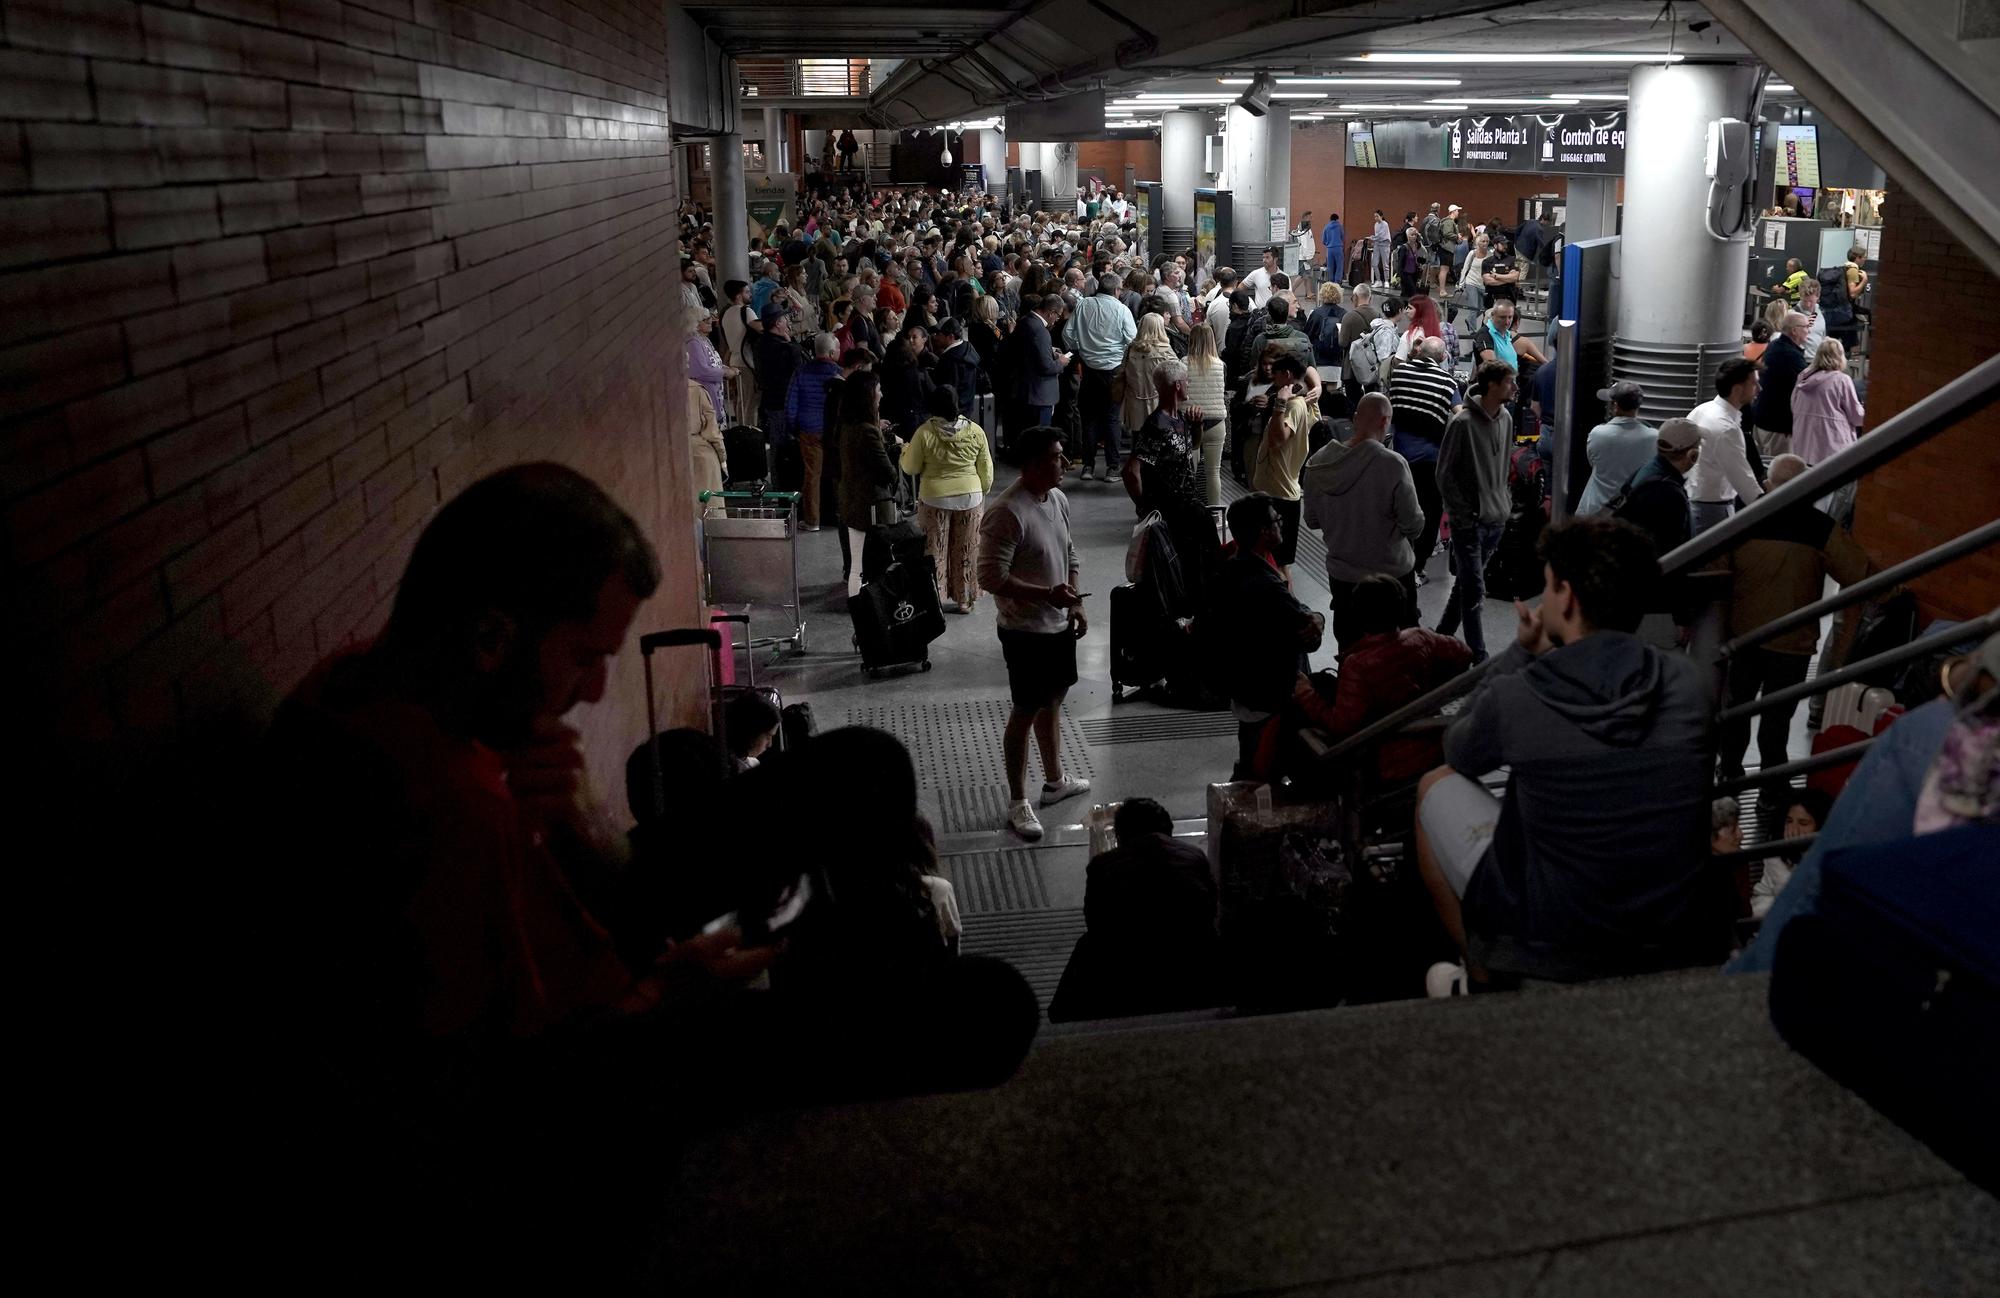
{"points": [[769, 201], [1492, 144], [1587, 144]]}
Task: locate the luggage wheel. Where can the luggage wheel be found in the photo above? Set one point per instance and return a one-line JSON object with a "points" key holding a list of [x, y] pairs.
{"points": [[1117, 693]]}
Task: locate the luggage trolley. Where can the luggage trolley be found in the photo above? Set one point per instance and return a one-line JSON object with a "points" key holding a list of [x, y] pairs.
{"points": [[751, 551]]}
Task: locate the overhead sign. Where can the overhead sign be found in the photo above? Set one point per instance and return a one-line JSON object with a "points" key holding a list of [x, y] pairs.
{"points": [[1071, 117], [1798, 156], [1364, 148], [1492, 144], [1589, 144]]}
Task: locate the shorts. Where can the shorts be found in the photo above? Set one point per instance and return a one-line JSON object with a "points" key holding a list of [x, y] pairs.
{"points": [[1288, 519], [1458, 816], [1040, 666]]}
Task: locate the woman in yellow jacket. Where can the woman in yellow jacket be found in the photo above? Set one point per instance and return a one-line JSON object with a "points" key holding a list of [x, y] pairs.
{"points": [[948, 452]]}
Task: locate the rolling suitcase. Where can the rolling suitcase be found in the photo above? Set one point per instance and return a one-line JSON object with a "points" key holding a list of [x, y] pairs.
{"points": [[986, 413], [725, 686], [890, 544], [896, 617], [1141, 647], [1892, 986]]}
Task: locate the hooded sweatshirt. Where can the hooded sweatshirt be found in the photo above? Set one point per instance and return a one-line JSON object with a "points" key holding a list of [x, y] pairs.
{"points": [[951, 458], [1360, 496], [1472, 464], [1599, 861]]}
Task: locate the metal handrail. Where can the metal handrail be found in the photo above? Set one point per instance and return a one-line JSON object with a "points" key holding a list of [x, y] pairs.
{"points": [[1935, 414], [1977, 629], [1804, 766], [1421, 706], [1887, 579], [1768, 848]]}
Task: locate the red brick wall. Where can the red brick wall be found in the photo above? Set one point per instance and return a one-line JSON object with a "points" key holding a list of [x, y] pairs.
{"points": [[1483, 194], [1109, 155], [1933, 321], [282, 275], [1319, 175]]}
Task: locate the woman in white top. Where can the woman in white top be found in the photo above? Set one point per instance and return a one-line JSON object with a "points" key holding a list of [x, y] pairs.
{"points": [[1205, 391], [1147, 350]]}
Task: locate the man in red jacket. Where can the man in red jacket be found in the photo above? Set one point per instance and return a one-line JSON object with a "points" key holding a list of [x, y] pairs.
{"points": [[1388, 665]]}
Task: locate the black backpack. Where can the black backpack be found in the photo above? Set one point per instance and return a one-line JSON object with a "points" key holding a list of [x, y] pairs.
{"points": [[1433, 232], [1834, 303]]}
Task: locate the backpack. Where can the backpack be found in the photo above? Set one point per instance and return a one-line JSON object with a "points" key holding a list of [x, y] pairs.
{"points": [[1433, 232], [1362, 362], [1834, 303]]}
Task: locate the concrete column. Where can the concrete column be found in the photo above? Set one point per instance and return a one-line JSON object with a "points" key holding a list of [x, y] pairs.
{"points": [[1688, 287], [774, 140], [1059, 173], [732, 209], [1181, 173], [1031, 156], [1592, 208], [993, 156], [814, 143], [1260, 160], [1680, 304]]}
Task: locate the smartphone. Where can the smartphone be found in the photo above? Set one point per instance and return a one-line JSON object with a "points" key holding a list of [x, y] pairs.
{"points": [[762, 927]]}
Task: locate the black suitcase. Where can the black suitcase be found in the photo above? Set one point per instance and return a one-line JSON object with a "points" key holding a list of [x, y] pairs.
{"points": [[1892, 986], [890, 544], [896, 617], [1515, 569], [749, 456], [1141, 647]]}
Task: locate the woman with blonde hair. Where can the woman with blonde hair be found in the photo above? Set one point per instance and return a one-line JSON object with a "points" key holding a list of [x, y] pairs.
{"points": [[1141, 358], [1207, 393], [1826, 417]]}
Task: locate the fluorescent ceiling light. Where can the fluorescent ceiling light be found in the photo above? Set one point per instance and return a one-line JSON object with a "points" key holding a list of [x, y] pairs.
{"points": [[1350, 81], [1608, 98], [1778, 88], [1413, 109], [1543, 101], [1501, 60]]}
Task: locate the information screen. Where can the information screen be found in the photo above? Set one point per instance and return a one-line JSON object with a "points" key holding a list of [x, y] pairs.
{"points": [[1364, 148], [1204, 233], [1798, 156]]}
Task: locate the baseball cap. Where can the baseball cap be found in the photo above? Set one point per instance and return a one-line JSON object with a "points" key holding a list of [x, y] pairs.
{"points": [[1624, 393], [772, 313], [1454, 208], [1679, 434]]}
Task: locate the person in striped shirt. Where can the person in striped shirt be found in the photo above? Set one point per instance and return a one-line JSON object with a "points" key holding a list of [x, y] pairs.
{"points": [[1422, 396]]}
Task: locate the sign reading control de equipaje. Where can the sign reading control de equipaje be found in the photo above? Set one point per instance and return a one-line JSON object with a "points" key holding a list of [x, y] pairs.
{"points": [[1586, 144]]}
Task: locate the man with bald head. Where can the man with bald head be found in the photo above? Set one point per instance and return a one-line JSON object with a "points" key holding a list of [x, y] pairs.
{"points": [[1361, 497], [1784, 360]]}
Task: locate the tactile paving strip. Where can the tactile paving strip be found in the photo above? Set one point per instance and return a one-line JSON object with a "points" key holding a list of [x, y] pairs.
{"points": [[1038, 943], [993, 882], [956, 745], [1311, 556], [1155, 727], [969, 810]]}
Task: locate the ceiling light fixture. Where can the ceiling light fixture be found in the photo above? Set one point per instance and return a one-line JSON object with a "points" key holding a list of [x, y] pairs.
{"points": [[1778, 88], [1495, 59], [1398, 108], [1607, 98], [1349, 81], [1526, 102]]}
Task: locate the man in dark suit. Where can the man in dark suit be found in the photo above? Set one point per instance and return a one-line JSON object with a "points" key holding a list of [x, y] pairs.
{"points": [[1038, 363]]}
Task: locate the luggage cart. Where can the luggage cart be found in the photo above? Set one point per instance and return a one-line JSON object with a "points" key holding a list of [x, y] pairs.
{"points": [[751, 552]]}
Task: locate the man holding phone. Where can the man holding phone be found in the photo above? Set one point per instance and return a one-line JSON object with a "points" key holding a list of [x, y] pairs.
{"points": [[1028, 561], [1283, 453]]}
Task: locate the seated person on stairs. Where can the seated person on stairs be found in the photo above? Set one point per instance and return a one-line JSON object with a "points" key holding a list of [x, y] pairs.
{"points": [[1387, 665], [1150, 906], [1596, 863]]}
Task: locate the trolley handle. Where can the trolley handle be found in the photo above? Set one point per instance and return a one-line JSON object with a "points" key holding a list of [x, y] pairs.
{"points": [[707, 496], [694, 635]]}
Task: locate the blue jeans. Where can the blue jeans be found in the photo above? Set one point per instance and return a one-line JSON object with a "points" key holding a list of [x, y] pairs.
{"points": [[1039, 416], [1472, 544]]}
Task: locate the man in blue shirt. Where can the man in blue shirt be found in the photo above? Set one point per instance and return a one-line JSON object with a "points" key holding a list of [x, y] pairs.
{"points": [[1334, 240]]}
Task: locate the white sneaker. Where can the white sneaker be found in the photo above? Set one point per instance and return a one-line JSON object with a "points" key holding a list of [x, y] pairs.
{"points": [[1445, 980], [809, 527], [1022, 820], [1056, 792], [1084, 476]]}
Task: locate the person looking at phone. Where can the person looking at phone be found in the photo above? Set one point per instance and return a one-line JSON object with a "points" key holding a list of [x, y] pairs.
{"points": [[1028, 561], [454, 830], [1283, 452]]}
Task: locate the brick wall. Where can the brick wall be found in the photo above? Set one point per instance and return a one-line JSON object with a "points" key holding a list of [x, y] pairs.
{"points": [[282, 275], [1397, 190], [1108, 156], [1933, 321], [1319, 175]]}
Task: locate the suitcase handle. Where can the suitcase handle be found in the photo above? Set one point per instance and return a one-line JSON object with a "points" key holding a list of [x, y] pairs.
{"points": [[675, 638], [683, 636]]}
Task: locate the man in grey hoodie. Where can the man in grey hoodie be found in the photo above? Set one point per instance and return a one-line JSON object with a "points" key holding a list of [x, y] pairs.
{"points": [[1472, 479], [1595, 863], [1361, 497]]}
